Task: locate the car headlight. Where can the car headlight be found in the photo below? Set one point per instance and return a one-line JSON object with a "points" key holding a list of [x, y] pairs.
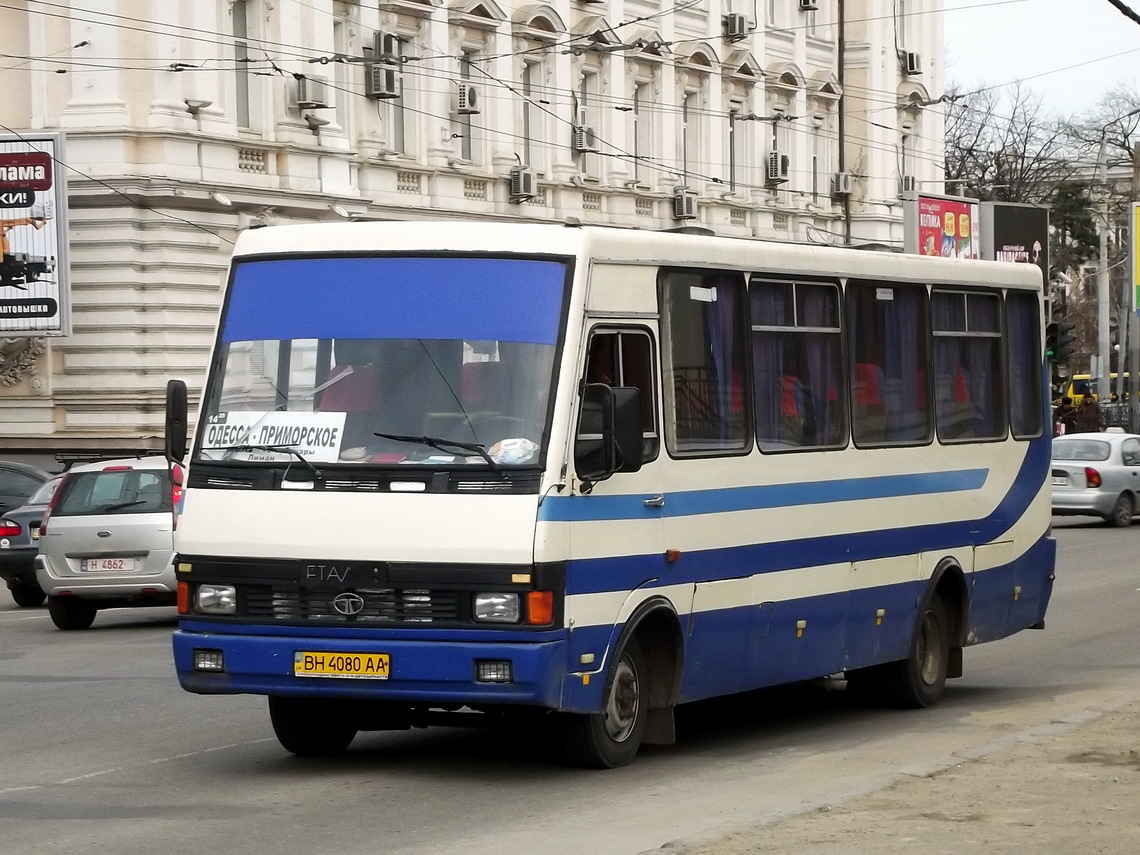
{"points": [[497, 608], [215, 600]]}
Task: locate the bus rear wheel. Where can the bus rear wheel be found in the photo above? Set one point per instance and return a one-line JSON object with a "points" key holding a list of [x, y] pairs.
{"points": [[612, 737], [310, 727], [919, 680]]}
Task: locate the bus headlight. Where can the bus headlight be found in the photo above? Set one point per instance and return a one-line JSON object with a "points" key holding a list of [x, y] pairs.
{"points": [[215, 600], [497, 608]]}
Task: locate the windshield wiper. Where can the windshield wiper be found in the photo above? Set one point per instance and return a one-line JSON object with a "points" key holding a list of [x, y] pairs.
{"points": [[287, 449], [442, 444], [118, 506]]}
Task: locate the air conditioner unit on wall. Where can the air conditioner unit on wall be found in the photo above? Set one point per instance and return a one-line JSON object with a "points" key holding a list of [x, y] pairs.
{"points": [[465, 99], [913, 63], [524, 184], [842, 184], [381, 81], [684, 205], [808, 5], [311, 94], [779, 165], [585, 139], [735, 27]]}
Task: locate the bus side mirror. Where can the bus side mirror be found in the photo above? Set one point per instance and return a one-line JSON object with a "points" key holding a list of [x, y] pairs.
{"points": [[176, 426], [609, 432]]}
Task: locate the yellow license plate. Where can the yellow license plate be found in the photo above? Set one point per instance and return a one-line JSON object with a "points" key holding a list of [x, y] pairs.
{"points": [[352, 666]]}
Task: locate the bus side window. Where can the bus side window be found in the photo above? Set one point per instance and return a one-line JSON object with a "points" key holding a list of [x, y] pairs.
{"points": [[625, 358]]}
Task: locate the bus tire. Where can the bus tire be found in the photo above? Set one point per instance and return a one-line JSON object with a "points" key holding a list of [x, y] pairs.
{"points": [[918, 680], [612, 737], [309, 727], [71, 612], [1121, 513]]}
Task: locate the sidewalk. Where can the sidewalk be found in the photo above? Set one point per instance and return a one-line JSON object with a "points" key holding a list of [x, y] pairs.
{"points": [[1072, 787]]}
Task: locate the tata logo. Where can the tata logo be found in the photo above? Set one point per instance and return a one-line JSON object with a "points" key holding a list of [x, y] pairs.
{"points": [[348, 604]]}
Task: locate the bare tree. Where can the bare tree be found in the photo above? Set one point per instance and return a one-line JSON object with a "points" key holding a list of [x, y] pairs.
{"points": [[1006, 148]]}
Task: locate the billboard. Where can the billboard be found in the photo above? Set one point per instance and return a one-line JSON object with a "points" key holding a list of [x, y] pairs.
{"points": [[1016, 232], [947, 226], [34, 286]]}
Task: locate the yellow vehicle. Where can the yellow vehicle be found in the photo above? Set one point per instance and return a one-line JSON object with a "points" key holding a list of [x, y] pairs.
{"points": [[1085, 384]]}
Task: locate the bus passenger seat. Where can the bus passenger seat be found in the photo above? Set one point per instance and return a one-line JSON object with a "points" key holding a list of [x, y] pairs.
{"points": [[355, 390], [484, 387]]}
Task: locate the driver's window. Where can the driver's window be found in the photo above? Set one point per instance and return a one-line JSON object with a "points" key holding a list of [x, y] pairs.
{"points": [[625, 358]]}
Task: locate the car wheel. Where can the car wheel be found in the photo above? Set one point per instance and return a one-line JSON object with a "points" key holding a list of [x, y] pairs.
{"points": [[71, 612], [27, 595], [1121, 513], [612, 737], [310, 727]]}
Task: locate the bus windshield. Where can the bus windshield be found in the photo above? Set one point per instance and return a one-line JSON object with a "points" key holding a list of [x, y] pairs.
{"points": [[395, 360]]}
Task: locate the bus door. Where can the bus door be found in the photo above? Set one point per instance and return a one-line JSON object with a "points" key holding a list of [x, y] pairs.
{"points": [[622, 541]]}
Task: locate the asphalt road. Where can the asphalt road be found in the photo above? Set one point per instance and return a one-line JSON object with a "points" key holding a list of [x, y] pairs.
{"points": [[101, 752]]}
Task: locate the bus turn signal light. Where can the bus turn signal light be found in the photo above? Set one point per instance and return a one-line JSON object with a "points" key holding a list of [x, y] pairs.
{"points": [[540, 608]]}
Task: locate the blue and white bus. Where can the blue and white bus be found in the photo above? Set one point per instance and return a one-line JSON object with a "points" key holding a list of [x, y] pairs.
{"points": [[459, 468]]}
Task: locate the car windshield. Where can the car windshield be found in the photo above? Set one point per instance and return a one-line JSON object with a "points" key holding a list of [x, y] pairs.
{"points": [[1080, 449], [386, 360], [117, 490], [43, 495]]}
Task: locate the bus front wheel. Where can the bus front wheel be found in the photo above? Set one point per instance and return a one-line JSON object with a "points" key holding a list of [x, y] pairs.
{"points": [[612, 737], [310, 727]]}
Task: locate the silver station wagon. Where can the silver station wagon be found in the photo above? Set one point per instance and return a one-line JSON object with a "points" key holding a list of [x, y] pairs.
{"points": [[107, 540], [1097, 474]]}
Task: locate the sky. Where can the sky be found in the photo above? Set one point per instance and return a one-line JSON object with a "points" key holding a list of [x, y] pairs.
{"points": [[1062, 49]]}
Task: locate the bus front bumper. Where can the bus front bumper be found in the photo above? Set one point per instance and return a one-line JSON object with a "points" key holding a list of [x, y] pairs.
{"points": [[421, 671]]}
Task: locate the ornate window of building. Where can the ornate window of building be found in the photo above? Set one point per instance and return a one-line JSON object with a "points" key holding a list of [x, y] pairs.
{"points": [[909, 133], [785, 84], [823, 104], [693, 73], [643, 83], [243, 28], [534, 29], [470, 40], [740, 72], [402, 25]]}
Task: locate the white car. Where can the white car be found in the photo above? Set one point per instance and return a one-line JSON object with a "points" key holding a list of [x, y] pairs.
{"points": [[107, 540], [1097, 474]]}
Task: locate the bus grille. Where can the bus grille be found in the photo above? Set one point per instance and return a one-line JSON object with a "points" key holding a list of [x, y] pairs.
{"points": [[382, 606]]}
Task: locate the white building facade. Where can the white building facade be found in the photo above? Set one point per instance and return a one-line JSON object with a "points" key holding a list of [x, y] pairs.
{"points": [[189, 120]]}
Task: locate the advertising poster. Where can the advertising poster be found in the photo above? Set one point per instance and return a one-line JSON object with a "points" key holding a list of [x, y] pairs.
{"points": [[948, 227], [34, 294], [1016, 232]]}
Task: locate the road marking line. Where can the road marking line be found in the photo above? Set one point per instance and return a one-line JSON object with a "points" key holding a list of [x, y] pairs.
{"points": [[153, 762]]}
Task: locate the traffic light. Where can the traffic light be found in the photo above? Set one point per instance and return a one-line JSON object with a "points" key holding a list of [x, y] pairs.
{"points": [[1051, 341], [1066, 341]]}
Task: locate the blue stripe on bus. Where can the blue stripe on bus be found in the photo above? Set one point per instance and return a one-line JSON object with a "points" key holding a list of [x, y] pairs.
{"points": [[625, 573], [694, 502]]}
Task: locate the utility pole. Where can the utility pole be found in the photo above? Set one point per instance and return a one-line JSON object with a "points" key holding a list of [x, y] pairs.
{"points": [[1102, 295], [1133, 321]]}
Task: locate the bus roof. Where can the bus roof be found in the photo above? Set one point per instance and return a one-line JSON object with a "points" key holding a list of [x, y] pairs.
{"points": [[625, 245]]}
